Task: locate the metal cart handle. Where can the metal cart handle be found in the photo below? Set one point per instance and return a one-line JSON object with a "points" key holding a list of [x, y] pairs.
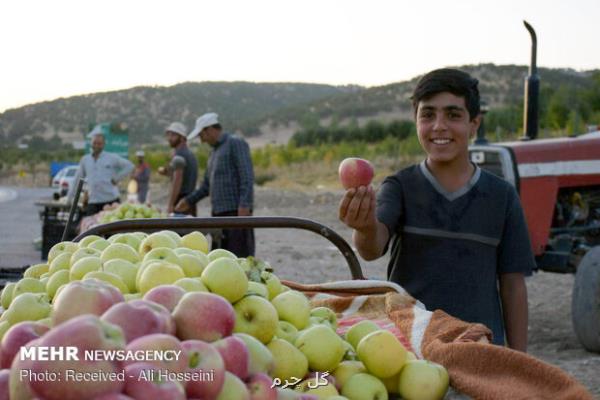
{"points": [[187, 225]]}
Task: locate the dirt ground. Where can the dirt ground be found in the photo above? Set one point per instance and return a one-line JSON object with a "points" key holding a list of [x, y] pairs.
{"points": [[307, 257]]}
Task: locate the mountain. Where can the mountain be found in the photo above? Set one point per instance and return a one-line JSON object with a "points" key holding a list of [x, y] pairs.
{"points": [[265, 112]]}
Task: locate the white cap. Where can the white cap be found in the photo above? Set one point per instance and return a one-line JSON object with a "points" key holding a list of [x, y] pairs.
{"points": [[139, 153], [96, 131], [204, 121], [178, 128]]}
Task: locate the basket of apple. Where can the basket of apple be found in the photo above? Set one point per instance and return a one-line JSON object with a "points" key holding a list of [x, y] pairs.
{"points": [[156, 315], [129, 211]]}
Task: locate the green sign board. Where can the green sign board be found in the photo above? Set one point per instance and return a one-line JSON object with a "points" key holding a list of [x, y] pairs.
{"points": [[115, 135]]}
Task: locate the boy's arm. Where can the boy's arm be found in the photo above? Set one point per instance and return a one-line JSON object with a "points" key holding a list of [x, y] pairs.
{"points": [[357, 210], [513, 294], [175, 189]]}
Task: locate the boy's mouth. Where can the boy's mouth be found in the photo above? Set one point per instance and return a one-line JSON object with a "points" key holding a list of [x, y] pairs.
{"points": [[441, 141]]}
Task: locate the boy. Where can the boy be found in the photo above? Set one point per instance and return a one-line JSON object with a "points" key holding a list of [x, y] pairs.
{"points": [[459, 239]]}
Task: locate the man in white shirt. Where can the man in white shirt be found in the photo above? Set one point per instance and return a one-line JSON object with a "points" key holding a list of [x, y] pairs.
{"points": [[102, 171]]}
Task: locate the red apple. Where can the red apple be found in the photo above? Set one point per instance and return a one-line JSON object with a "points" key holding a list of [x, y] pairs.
{"points": [[138, 318], [355, 172], [204, 357], [235, 354], [203, 316], [143, 381], [19, 335], [114, 396], [177, 361], [261, 387], [84, 297], [166, 295], [86, 332], [19, 379], [4, 380]]}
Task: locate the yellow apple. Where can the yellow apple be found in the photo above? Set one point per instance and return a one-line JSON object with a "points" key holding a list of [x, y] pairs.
{"points": [[382, 353], [83, 266], [195, 240], [159, 273], [35, 271]]}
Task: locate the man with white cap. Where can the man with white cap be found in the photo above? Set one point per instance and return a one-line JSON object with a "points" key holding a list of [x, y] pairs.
{"points": [[142, 176], [102, 171], [229, 180], [183, 167]]}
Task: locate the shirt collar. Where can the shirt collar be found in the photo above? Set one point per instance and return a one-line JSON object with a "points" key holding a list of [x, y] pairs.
{"points": [[222, 139]]}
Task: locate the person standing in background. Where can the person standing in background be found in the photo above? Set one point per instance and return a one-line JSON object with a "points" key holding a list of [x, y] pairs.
{"points": [[229, 180], [183, 167], [141, 175], [102, 171]]}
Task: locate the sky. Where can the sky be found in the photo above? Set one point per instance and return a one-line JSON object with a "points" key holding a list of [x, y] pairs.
{"points": [[61, 48]]}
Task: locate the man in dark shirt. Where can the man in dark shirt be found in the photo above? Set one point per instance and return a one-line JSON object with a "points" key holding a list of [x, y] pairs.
{"points": [[459, 238], [229, 180], [183, 167]]}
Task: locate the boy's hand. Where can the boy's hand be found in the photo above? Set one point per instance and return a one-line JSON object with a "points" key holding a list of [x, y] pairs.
{"points": [[357, 209], [182, 206]]}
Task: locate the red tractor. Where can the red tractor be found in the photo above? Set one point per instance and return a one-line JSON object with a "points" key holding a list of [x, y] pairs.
{"points": [[558, 181]]}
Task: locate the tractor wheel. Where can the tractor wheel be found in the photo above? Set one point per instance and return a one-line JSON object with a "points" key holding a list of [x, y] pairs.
{"points": [[585, 304]]}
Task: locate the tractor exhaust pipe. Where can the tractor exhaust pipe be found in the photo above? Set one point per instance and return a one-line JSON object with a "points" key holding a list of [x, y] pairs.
{"points": [[532, 92]]}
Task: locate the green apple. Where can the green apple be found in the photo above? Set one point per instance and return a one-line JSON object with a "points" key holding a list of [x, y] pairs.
{"points": [[109, 278], [132, 296], [382, 353], [154, 241], [258, 289], [338, 397], [256, 316], [45, 321], [293, 306], [272, 282], [35, 271], [350, 353], [82, 253], [28, 285], [124, 270], [260, 358], [289, 361], [159, 273], [345, 370], [55, 281], [286, 331], [391, 382], [161, 254], [28, 307], [423, 380], [364, 386], [191, 285], [7, 294], [323, 348], [86, 241], [324, 315], [191, 264], [4, 327], [220, 253], [233, 388], [61, 261], [119, 251], [83, 266], [60, 248], [173, 235], [129, 239], [195, 240], [99, 244], [314, 387], [225, 277], [360, 330]]}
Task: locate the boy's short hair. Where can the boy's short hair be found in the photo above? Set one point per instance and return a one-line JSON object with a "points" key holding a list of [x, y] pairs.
{"points": [[454, 81]]}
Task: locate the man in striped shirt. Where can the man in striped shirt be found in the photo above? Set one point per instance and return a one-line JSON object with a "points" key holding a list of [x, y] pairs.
{"points": [[228, 180]]}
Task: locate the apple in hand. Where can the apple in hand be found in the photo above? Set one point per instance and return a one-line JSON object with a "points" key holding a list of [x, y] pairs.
{"points": [[423, 380], [355, 172], [203, 316], [364, 386], [204, 357], [139, 386], [382, 353], [323, 348], [256, 316], [19, 335]]}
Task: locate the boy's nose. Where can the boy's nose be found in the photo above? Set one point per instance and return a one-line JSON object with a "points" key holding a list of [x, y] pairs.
{"points": [[439, 123]]}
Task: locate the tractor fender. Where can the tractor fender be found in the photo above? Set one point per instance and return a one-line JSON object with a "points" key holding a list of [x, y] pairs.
{"points": [[585, 302]]}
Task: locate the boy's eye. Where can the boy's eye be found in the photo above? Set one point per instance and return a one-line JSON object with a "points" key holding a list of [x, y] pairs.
{"points": [[454, 115], [425, 114]]}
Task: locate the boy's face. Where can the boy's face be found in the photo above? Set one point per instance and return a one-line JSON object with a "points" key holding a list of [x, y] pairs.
{"points": [[445, 128]]}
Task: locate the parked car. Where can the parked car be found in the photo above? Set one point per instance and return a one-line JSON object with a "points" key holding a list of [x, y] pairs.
{"points": [[66, 178]]}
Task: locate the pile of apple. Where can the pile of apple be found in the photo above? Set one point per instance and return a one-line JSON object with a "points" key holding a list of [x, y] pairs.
{"points": [[130, 211], [239, 333]]}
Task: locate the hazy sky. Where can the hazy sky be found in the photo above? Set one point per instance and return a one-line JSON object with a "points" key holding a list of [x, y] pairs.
{"points": [[60, 48]]}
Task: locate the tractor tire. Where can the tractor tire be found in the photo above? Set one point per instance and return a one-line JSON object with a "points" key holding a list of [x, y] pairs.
{"points": [[585, 303]]}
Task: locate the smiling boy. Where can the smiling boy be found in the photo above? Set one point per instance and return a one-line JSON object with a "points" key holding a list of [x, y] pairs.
{"points": [[458, 236]]}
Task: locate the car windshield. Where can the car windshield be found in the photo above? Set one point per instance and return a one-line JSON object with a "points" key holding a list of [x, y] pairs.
{"points": [[72, 172]]}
